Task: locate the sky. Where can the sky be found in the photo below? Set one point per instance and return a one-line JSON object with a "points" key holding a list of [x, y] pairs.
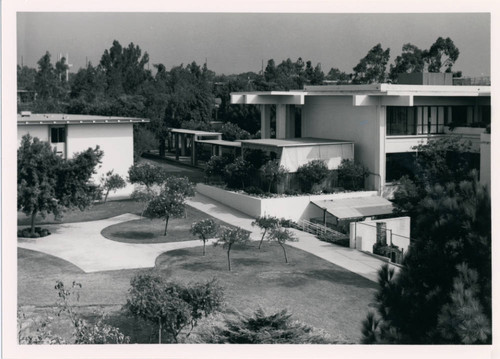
{"points": [[239, 42]]}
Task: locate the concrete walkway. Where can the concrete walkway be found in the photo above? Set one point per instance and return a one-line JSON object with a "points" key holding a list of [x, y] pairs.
{"points": [[351, 259], [83, 245]]}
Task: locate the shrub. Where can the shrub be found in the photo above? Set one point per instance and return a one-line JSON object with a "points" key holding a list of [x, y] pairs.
{"points": [[273, 172], [144, 141], [146, 175], [39, 232], [237, 173], [232, 132], [312, 173], [111, 182], [352, 175], [216, 164], [254, 190]]}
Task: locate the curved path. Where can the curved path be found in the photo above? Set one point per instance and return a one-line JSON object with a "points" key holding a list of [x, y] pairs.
{"points": [[83, 245]]}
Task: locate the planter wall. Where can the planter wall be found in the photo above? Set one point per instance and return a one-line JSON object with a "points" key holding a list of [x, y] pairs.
{"points": [[293, 208]]}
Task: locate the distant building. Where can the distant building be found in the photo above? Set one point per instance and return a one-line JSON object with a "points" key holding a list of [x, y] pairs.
{"points": [[69, 134], [384, 121]]}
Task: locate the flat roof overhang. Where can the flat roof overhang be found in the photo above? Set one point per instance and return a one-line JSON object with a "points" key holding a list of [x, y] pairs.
{"points": [[62, 119], [291, 142], [194, 132], [268, 98], [353, 208], [222, 143]]}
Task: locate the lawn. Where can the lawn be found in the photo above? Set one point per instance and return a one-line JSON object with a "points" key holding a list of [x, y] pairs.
{"points": [[315, 291], [151, 231], [96, 212]]}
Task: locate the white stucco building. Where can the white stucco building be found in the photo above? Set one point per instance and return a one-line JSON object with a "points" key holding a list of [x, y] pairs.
{"points": [[384, 121], [70, 134]]}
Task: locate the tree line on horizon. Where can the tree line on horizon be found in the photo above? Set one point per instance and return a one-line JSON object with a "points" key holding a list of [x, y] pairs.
{"points": [[185, 96]]}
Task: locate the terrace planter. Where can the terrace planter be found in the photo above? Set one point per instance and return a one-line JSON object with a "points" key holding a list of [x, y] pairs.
{"points": [[293, 208]]}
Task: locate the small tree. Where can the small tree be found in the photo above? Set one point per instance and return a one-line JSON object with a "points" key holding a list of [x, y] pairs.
{"points": [[46, 183], [282, 235], [273, 172], [352, 174], [171, 201], [312, 173], [266, 223], [215, 165], [171, 306], [205, 229], [111, 182], [229, 237], [236, 173], [146, 175]]}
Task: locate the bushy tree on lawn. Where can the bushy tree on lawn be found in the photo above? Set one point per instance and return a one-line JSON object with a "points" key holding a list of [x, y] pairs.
{"points": [[442, 295], [230, 237], [266, 223], [146, 175], [173, 307], [46, 183], [171, 200], [273, 172], [263, 328], [282, 235], [205, 229], [111, 182], [312, 173]]}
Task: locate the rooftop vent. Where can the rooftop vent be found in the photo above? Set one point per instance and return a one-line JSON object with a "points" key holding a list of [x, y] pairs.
{"points": [[25, 113], [426, 78]]}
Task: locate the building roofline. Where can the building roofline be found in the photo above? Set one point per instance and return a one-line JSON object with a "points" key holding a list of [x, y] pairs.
{"points": [[67, 119]]}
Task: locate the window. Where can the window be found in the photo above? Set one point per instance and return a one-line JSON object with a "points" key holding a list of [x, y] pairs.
{"points": [[398, 165], [407, 121], [57, 134]]}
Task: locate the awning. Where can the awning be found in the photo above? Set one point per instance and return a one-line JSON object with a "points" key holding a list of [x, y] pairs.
{"points": [[360, 207]]}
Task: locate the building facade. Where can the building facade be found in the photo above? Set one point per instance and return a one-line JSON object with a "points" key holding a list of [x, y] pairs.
{"points": [[70, 134], [384, 121]]}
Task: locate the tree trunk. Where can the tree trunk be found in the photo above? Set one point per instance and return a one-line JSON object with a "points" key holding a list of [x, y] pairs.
{"points": [[228, 259], [204, 247], [284, 252], [106, 196], [166, 224], [262, 239], [159, 331], [269, 188], [33, 216], [161, 150]]}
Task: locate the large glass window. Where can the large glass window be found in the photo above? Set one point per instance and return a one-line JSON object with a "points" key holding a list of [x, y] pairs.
{"points": [[399, 165], [407, 121], [57, 134]]}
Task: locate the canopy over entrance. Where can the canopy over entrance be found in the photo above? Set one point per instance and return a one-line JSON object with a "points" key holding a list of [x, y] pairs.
{"points": [[354, 208]]}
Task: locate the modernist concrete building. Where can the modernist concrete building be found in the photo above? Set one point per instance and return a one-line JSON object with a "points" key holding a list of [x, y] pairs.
{"points": [[70, 134], [384, 121]]}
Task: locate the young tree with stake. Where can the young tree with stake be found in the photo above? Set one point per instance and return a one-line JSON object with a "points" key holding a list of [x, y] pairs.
{"points": [[112, 182], [205, 229], [229, 237], [282, 235]]}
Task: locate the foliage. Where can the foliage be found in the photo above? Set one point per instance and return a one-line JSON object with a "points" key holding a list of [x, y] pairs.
{"points": [[111, 182], [48, 83], [146, 175], [47, 184], [282, 235], [442, 54], [263, 328], [36, 331], [26, 78], [173, 307], [38, 233], [266, 223], [230, 237], [205, 229], [336, 75], [171, 200], [215, 166], [144, 141], [85, 332], [371, 68], [410, 60], [312, 173], [273, 172], [352, 175], [443, 292], [237, 173], [197, 125], [232, 132]]}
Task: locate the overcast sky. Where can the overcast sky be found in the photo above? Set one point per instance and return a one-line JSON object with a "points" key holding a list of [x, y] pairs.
{"points": [[235, 43]]}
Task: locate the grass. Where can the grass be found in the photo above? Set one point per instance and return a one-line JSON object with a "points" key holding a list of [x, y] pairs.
{"points": [[315, 291], [96, 212], [151, 231]]}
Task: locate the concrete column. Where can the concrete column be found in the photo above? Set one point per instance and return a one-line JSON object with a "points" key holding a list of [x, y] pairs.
{"points": [[265, 121], [183, 144], [193, 150], [281, 112], [290, 122], [176, 146]]}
